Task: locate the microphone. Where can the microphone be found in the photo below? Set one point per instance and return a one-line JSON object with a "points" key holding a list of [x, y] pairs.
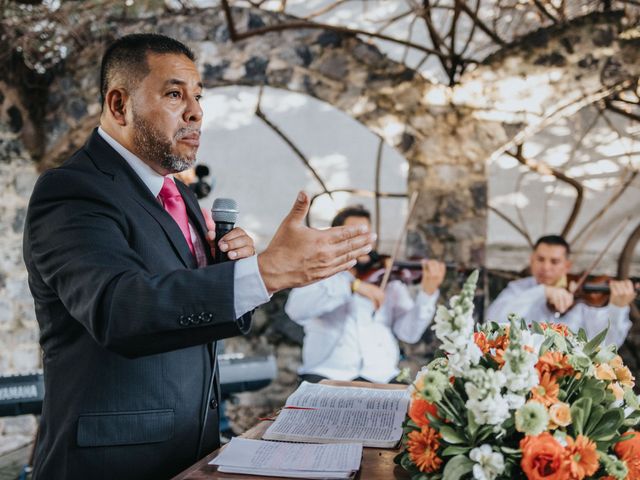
{"points": [[224, 213]]}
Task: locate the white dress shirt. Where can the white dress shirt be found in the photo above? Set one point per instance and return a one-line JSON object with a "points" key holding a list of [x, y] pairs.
{"points": [[248, 286], [526, 298], [344, 339]]}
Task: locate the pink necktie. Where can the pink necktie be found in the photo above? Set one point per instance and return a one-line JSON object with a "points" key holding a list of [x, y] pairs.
{"points": [[174, 205]]}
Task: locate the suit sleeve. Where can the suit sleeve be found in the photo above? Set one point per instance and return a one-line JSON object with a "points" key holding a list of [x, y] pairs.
{"points": [[77, 242]]}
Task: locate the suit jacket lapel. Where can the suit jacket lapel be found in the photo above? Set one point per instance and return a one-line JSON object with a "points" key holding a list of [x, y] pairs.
{"points": [[111, 163]]}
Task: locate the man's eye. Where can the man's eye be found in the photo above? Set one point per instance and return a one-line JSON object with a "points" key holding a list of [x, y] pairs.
{"points": [[198, 98], [174, 94]]}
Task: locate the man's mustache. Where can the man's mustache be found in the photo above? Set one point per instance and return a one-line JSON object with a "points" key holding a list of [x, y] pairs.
{"points": [[185, 132]]}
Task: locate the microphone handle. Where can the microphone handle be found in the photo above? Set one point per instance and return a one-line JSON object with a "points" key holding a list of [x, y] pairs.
{"points": [[222, 228]]}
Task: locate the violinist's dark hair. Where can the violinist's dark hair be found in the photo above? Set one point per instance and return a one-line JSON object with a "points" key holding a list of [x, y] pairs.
{"points": [[350, 211], [554, 240], [127, 56]]}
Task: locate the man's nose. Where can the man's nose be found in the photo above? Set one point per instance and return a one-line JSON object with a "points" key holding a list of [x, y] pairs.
{"points": [[193, 112]]}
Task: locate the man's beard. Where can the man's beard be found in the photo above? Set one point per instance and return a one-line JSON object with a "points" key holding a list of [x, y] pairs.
{"points": [[152, 146]]}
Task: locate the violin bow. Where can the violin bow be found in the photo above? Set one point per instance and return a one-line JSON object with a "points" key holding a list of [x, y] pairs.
{"points": [[595, 263], [396, 248]]}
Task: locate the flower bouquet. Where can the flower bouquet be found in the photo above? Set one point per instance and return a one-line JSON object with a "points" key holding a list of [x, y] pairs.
{"points": [[520, 402]]}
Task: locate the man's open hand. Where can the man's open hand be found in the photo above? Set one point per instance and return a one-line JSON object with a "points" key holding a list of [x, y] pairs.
{"points": [[299, 255]]}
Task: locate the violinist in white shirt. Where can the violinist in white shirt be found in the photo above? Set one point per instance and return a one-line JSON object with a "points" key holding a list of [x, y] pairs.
{"points": [[532, 297], [352, 327]]}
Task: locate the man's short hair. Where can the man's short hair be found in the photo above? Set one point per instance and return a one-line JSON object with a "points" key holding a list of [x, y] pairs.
{"points": [[351, 211], [128, 56], [554, 240]]}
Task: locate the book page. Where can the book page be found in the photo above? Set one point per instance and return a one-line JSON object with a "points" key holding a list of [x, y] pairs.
{"points": [[260, 454], [314, 395], [366, 426]]}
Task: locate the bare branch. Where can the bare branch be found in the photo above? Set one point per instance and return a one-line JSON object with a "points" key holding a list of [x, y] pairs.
{"points": [[542, 7], [295, 25], [327, 8], [513, 224], [543, 169], [260, 114], [481, 25], [614, 198]]}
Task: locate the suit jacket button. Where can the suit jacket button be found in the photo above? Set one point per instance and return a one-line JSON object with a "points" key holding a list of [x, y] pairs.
{"points": [[213, 404]]}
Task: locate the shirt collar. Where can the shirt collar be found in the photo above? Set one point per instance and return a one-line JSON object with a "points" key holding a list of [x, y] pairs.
{"points": [[152, 179]]}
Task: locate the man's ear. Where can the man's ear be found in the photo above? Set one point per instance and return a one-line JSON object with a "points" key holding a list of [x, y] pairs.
{"points": [[116, 105]]}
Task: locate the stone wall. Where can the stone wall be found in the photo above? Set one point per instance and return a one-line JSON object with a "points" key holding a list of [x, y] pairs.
{"points": [[19, 350]]}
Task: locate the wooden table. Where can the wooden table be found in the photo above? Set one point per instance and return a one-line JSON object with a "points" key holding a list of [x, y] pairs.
{"points": [[377, 463]]}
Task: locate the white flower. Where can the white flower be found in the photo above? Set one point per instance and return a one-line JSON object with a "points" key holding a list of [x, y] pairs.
{"points": [[514, 401], [489, 411], [488, 464], [532, 340], [532, 418]]}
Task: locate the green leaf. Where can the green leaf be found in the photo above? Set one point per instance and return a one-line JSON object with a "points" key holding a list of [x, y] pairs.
{"points": [[595, 342], [580, 411], [537, 328], [454, 450], [511, 451], [457, 467], [472, 425], [608, 426], [597, 412], [582, 335], [450, 435]]}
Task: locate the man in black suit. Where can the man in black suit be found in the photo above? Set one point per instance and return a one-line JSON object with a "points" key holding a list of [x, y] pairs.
{"points": [[128, 303]]}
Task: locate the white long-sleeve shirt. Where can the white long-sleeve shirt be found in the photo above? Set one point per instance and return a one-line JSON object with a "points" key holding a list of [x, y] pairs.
{"points": [[344, 339], [526, 298]]}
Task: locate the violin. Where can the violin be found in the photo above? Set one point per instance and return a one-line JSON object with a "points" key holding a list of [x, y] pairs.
{"points": [[409, 272], [594, 291]]}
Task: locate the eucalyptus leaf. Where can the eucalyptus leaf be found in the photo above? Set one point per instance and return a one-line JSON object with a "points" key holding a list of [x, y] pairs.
{"points": [[450, 435], [457, 467], [595, 342], [455, 450]]}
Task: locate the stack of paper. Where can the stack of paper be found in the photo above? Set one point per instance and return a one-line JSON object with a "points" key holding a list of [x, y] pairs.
{"points": [[293, 460]]}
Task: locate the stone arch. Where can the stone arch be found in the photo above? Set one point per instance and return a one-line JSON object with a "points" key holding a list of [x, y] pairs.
{"points": [[446, 134]]}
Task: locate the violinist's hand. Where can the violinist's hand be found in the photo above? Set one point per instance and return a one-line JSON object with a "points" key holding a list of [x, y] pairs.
{"points": [[433, 273], [559, 297], [298, 255], [372, 292], [622, 292]]}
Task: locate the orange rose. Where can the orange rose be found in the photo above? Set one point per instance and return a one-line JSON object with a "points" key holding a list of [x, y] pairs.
{"points": [[628, 450], [419, 409], [423, 447], [543, 458]]}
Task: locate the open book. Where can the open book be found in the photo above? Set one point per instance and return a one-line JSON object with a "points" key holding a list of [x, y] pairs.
{"points": [[275, 459], [317, 413]]}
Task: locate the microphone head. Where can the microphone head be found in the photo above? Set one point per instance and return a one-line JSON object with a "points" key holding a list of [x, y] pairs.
{"points": [[224, 210]]}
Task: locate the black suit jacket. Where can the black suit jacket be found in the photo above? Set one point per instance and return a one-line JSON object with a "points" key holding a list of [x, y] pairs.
{"points": [[125, 317]]}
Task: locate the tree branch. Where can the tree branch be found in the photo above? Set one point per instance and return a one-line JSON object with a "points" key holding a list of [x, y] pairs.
{"points": [[547, 170], [513, 224], [481, 25], [302, 24]]}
